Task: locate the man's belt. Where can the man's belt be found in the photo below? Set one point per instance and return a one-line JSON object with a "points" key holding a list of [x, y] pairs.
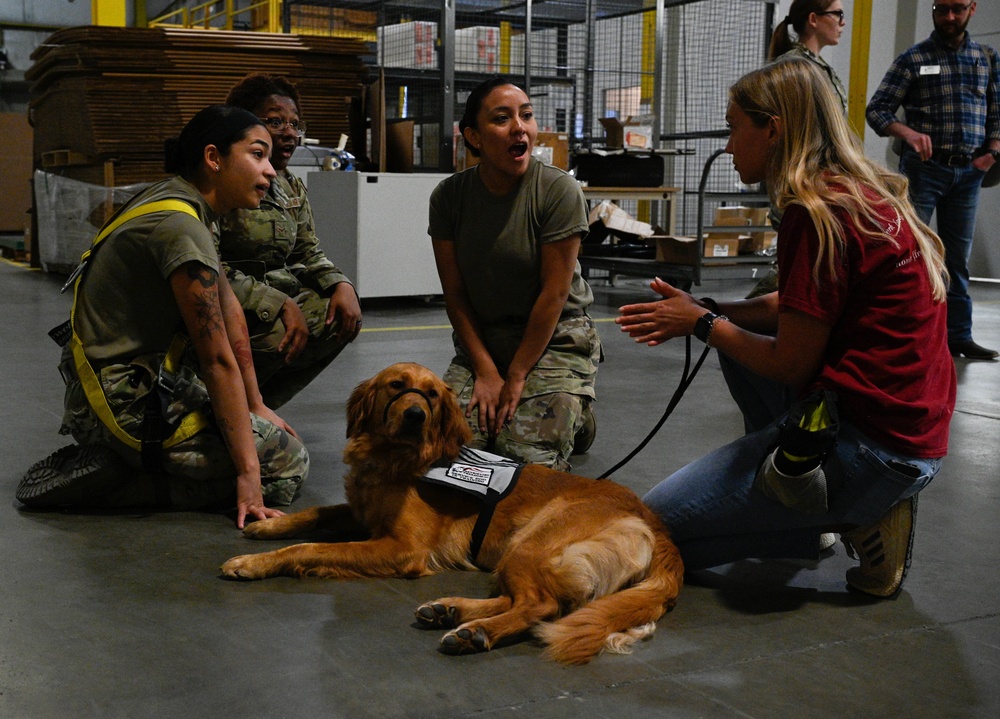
{"points": [[952, 159]]}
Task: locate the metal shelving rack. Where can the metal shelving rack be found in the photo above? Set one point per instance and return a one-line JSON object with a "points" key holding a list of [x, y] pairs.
{"points": [[729, 267], [579, 60]]}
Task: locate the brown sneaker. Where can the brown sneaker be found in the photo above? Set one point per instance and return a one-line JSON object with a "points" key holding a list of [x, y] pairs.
{"points": [[884, 549]]}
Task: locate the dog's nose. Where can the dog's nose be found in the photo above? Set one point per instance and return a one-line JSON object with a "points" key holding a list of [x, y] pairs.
{"points": [[414, 415]]}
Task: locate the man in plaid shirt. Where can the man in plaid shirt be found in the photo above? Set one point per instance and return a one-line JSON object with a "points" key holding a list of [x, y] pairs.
{"points": [[948, 87]]}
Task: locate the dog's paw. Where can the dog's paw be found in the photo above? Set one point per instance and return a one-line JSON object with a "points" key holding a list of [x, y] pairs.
{"points": [[437, 616], [465, 640], [242, 567]]}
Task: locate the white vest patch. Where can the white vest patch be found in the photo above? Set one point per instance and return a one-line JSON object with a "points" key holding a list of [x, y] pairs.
{"points": [[479, 473]]}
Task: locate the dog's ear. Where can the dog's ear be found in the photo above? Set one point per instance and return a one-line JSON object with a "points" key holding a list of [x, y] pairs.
{"points": [[455, 430], [359, 407]]}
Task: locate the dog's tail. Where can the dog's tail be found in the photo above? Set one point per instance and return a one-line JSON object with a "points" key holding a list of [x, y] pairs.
{"points": [[616, 621]]}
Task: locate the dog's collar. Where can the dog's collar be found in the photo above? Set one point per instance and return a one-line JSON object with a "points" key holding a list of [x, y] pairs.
{"points": [[413, 390]]}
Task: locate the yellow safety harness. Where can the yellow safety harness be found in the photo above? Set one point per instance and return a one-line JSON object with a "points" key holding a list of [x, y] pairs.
{"points": [[152, 442]]}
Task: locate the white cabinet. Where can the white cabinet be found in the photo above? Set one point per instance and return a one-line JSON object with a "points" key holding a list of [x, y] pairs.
{"points": [[373, 225]]}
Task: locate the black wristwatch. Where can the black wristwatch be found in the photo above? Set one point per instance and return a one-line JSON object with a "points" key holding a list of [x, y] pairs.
{"points": [[703, 327]]}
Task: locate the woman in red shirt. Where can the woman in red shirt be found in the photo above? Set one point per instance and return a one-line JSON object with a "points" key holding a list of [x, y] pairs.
{"points": [[859, 320]]}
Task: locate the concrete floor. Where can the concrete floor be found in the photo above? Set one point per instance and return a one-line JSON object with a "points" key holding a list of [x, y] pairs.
{"points": [[126, 616]]}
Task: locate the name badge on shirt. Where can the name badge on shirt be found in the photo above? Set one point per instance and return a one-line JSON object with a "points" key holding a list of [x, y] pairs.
{"points": [[930, 69]]}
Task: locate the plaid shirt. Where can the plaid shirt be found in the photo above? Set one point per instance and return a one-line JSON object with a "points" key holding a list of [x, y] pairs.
{"points": [[950, 95]]}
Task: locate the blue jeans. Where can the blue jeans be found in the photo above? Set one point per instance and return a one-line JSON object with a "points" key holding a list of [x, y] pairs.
{"points": [[716, 516], [954, 193]]}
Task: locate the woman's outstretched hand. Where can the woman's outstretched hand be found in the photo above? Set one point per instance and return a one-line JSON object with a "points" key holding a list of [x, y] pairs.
{"points": [[654, 323]]}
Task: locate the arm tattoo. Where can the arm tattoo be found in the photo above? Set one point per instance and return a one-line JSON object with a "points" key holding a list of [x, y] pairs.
{"points": [[206, 276], [208, 313], [226, 429]]}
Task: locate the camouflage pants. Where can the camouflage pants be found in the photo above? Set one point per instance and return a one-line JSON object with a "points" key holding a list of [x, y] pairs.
{"points": [[557, 393], [541, 432], [278, 381], [199, 471]]}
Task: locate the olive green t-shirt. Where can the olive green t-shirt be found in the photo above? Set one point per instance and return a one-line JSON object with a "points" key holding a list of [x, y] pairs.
{"points": [[125, 306], [498, 240]]}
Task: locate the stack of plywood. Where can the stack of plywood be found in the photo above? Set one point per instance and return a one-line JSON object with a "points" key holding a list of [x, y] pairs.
{"points": [[104, 99]]}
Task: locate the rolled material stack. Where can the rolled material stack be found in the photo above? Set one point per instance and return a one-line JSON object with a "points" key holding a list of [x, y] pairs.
{"points": [[104, 99]]}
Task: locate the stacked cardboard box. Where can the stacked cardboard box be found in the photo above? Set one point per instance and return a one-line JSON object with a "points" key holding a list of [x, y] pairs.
{"points": [[477, 49], [408, 45], [750, 233], [103, 99]]}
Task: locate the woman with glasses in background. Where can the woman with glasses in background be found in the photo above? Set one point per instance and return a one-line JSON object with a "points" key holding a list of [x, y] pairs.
{"points": [[301, 309], [817, 24]]}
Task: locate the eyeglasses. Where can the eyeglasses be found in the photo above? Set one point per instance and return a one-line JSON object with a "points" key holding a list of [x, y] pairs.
{"points": [[839, 14], [276, 124], [945, 10]]}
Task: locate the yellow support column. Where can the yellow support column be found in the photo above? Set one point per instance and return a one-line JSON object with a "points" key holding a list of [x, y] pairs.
{"points": [[110, 13], [857, 96], [648, 54], [644, 211], [504, 48], [273, 16]]}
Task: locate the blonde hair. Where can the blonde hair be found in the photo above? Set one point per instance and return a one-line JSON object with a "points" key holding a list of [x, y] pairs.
{"points": [[819, 163]]}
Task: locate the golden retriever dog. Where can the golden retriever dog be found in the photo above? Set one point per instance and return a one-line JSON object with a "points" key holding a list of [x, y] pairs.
{"points": [[583, 564]]}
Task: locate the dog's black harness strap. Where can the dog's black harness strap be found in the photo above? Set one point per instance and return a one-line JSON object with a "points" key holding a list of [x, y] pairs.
{"points": [[411, 390], [479, 531], [686, 380], [486, 516]]}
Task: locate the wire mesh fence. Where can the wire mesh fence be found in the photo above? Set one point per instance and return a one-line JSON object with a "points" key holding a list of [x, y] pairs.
{"points": [[581, 61]]}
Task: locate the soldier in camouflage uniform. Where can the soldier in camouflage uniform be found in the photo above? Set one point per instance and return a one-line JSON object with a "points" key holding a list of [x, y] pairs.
{"points": [[199, 471], [301, 310], [554, 418], [506, 236], [152, 290]]}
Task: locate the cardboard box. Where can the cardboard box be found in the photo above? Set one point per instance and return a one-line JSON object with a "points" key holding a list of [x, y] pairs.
{"points": [[477, 49], [634, 133], [399, 145], [676, 249], [553, 148], [740, 215], [15, 181], [759, 243], [723, 247], [737, 223], [408, 45]]}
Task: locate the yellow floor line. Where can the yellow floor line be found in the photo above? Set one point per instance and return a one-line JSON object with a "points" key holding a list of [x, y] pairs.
{"points": [[19, 263], [412, 328]]}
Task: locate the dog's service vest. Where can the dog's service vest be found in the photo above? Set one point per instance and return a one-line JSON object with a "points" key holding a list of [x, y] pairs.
{"points": [[489, 477]]}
